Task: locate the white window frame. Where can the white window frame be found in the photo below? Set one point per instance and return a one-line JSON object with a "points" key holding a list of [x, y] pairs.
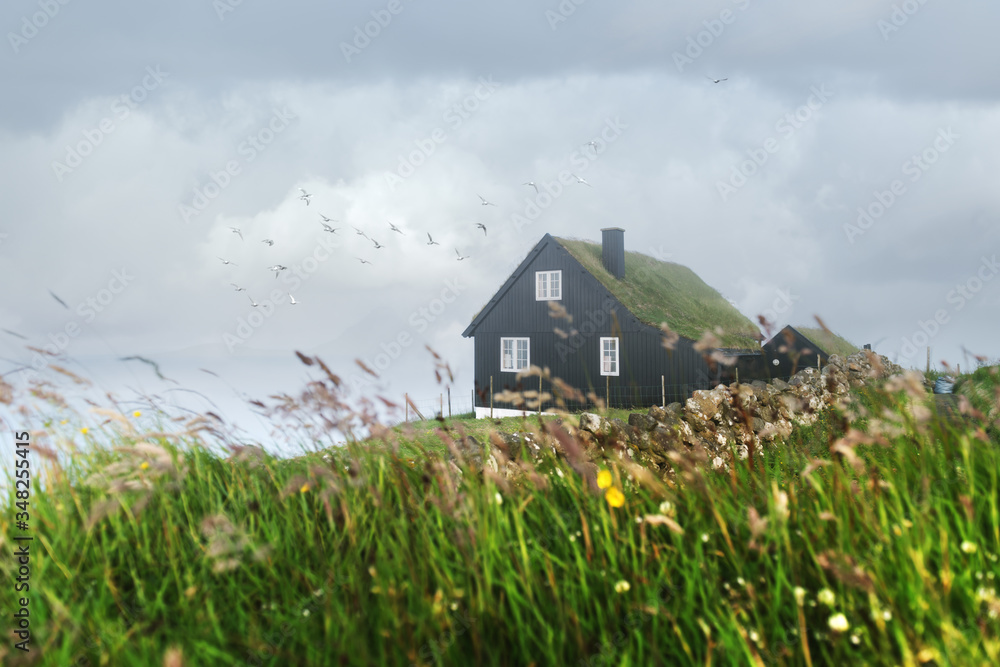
{"points": [[513, 368], [548, 295], [617, 356]]}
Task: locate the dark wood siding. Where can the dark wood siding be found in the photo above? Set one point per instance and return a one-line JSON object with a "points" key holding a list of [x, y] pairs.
{"points": [[577, 358], [793, 352]]}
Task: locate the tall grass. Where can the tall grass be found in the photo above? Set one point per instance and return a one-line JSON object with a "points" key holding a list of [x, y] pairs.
{"points": [[872, 537]]}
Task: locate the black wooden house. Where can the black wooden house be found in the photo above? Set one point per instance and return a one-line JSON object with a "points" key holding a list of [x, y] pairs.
{"points": [[613, 346]]}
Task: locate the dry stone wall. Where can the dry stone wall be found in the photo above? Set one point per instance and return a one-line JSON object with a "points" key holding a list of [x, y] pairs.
{"points": [[738, 416], [716, 422]]}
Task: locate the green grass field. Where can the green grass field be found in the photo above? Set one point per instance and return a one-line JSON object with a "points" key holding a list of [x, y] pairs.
{"points": [[869, 538]]}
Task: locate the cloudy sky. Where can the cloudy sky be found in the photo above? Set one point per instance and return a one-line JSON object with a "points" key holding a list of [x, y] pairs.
{"points": [[846, 166]]}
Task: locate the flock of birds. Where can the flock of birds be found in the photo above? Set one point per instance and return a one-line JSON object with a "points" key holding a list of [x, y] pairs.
{"points": [[327, 224]]}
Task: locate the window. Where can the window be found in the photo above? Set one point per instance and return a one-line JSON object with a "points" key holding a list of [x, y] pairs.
{"points": [[514, 355], [548, 285], [609, 356]]}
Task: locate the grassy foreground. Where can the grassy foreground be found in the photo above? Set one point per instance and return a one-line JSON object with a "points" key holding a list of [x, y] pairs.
{"points": [[869, 538]]}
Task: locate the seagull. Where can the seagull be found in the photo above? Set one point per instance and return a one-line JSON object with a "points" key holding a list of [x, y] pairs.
{"points": [[485, 203], [395, 228], [304, 196], [292, 298], [360, 233], [580, 180], [363, 261], [460, 258], [14, 333], [269, 242], [326, 219], [532, 184], [377, 244], [430, 240], [276, 268], [716, 80], [592, 144], [226, 261], [252, 302], [328, 228], [238, 288], [236, 230], [482, 227], [58, 299]]}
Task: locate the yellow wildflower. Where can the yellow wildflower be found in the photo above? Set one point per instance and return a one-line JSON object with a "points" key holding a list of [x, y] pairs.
{"points": [[622, 586], [604, 479], [614, 497], [145, 465], [305, 487], [137, 414], [84, 430]]}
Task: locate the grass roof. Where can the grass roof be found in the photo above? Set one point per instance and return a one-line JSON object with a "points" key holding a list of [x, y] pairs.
{"points": [[829, 342], [657, 292]]}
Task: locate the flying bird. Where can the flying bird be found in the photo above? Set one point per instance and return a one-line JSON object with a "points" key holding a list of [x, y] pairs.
{"points": [[482, 227], [580, 180], [363, 261], [238, 288], [532, 184], [328, 228], [252, 302], [237, 230], [226, 261], [484, 202], [14, 333], [378, 245], [276, 268], [460, 257], [58, 299], [269, 242], [304, 196], [292, 298], [430, 240], [716, 80], [326, 219], [395, 228], [592, 144], [360, 233]]}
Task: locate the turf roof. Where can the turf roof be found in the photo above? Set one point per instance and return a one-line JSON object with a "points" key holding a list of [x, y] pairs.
{"points": [[829, 342], [657, 291]]}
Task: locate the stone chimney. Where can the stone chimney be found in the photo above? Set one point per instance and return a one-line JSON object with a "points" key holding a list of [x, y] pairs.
{"points": [[613, 251]]}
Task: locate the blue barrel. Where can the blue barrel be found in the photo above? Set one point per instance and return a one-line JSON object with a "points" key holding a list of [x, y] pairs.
{"points": [[944, 385]]}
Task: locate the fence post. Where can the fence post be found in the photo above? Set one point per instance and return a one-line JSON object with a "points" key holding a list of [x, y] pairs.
{"points": [[663, 391], [539, 395], [607, 390], [491, 397], [817, 363], [928, 358], [449, 402], [441, 400], [737, 376], [406, 401]]}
